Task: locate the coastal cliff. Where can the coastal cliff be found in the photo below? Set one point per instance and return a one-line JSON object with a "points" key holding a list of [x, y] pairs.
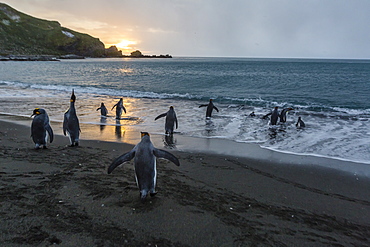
{"points": [[21, 34]]}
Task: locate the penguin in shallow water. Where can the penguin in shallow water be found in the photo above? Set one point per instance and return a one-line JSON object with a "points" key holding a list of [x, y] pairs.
{"points": [[274, 116], [144, 155], [103, 110], [119, 107], [300, 123], [40, 128], [71, 124], [283, 113], [171, 120], [210, 108]]}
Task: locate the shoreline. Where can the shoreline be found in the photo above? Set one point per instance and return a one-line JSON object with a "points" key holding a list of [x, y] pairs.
{"points": [[211, 146], [63, 195]]}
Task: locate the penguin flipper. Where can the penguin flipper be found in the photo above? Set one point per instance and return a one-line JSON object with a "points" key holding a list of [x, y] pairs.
{"points": [[50, 132], [203, 105], [162, 115], [65, 124], [214, 107], [159, 153], [120, 160], [265, 116]]}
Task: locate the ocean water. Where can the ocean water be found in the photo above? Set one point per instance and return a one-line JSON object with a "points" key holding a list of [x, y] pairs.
{"points": [[331, 96]]}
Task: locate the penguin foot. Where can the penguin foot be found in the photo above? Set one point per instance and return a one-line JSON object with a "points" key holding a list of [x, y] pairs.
{"points": [[45, 147], [152, 194], [75, 144]]}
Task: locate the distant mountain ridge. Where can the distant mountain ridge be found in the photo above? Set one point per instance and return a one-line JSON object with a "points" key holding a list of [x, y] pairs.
{"points": [[21, 34]]}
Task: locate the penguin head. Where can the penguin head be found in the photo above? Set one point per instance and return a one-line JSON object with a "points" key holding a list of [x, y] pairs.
{"points": [[73, 96], [38, 111], [210, 100], [144, 134], [171, 107]]}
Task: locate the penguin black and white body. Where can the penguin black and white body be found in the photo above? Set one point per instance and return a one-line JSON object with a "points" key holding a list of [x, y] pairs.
{"points": [[40, 128], [71, 124], [300, 123], [119, 107], [210, 108], [144, 155], [283, 114], [171, 120], [274, 116], [103, 110]]}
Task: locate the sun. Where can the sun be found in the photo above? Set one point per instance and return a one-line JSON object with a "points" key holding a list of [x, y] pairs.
{"points": [[125, 44]]}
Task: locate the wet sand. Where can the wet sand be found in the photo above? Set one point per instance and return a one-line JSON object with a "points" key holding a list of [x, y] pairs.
{"points": [[64, 196]]}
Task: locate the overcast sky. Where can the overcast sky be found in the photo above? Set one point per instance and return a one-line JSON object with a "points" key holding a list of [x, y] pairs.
{"points": [[243, 28]]}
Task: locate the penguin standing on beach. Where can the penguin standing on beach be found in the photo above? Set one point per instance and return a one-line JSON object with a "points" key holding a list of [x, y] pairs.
{"points": [[103, 110], [144, 155], [40, 128], [71, 124], [171, 120], [210, 108], [119, 107]]}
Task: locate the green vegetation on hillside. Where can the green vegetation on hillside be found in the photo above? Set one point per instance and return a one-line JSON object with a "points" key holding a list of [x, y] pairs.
{"points": [[21, 34]]}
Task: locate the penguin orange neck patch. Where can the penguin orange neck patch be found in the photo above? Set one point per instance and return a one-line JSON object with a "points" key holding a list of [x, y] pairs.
{"points": [[144, 134]]}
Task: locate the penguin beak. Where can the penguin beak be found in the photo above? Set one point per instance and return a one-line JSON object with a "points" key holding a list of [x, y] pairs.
{"points": [[35, 112], [73, 96]]}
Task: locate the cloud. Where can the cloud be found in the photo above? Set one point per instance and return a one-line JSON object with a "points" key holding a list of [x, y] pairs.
{"points": [[254, 28]]}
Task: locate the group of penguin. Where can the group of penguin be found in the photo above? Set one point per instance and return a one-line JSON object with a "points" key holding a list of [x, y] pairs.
{"points": [[275, 116], [144, 153]]}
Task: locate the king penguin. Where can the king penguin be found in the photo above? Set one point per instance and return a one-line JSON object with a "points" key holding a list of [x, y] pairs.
{"points": [[210, 108], [71, 124], [119, 107], [300, 123], [144, 155], [171, 120], [274, 116], [103, 110], [283, 114], [40, 128]]}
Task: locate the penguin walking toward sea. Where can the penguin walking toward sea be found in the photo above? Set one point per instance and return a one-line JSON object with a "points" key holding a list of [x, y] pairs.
{"points": [[144, 155], [300, 123], [119, 107], [210, 107], [171, 120], [71, 124], [103, 110], [283, 114], [40, 128], [274, 116]]}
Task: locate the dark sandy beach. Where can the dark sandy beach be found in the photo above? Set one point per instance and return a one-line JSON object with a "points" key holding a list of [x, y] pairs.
{"points": [[63, 196]]}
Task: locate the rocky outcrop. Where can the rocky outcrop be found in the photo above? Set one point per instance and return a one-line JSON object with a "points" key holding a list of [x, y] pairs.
{"points": [[113, 52]]}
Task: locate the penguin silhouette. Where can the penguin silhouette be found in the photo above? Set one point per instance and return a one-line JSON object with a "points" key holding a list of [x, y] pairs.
{"points": [[71, 124]]}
